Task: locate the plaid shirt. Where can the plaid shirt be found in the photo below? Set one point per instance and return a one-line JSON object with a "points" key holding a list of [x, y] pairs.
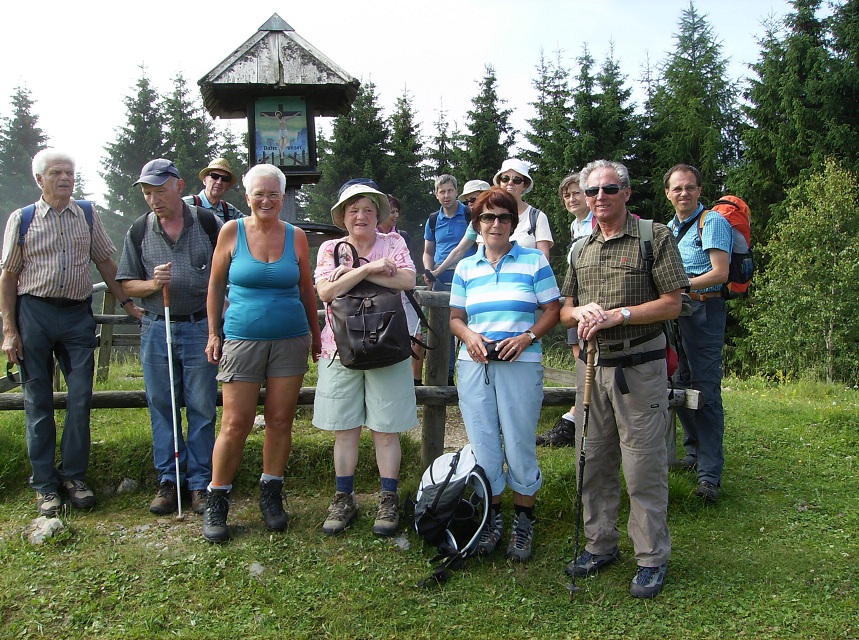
{"points": [[58, 247], [613, 274]]}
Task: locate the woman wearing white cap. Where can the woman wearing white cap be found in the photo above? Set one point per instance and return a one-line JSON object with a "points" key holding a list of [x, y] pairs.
{"points": [[533, 230], [346, 399]]}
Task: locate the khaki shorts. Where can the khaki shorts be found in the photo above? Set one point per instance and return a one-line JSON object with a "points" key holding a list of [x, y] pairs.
{"points": [[257, 360], [382, 399]]}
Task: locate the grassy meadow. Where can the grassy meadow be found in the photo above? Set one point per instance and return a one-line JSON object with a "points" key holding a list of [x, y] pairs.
{"points": [[777, 557]]}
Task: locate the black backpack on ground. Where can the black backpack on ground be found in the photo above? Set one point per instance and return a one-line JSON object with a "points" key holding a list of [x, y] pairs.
{"points": [[450, 510]]}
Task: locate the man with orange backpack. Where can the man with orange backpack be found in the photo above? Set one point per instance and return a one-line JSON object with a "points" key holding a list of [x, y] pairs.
{"points": [[706, 252]]}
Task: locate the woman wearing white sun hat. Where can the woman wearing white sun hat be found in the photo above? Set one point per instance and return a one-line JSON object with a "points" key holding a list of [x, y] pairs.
{"points": [[533, 230]]}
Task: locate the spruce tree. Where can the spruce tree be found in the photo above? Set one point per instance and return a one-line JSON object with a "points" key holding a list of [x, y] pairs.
{"points": [[190, 133], [406, 178], [358, 147], [695, 111], [490, 133], [21, 138], [140, 140], [444, 155]]}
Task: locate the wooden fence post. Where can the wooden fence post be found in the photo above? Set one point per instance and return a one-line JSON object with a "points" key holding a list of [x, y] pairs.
{"points": [[105, 338], [437, 361]]}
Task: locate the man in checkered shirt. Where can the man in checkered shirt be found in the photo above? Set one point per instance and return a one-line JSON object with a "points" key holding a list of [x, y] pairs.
{"points": [[614, 298]]}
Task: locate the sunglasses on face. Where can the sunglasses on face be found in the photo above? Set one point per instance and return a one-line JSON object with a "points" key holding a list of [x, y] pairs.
{"points": [[470, 201], [503, 218], [513, 179], [608, 189], [217, 176]]}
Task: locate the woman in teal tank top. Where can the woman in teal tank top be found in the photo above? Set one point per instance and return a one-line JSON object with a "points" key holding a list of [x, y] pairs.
{"points": [[270, 326]]}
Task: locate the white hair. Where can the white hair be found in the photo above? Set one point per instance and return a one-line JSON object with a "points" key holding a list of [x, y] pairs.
{"points": [[621, 171], [264, 171], [48, 156]]}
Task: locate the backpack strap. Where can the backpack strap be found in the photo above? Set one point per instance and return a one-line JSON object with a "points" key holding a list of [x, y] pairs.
{"points": [[226, 209], [433, 220], [532, 214], [28, 212], [645, 243], [136, 233], [209, 223], [196, 200]]}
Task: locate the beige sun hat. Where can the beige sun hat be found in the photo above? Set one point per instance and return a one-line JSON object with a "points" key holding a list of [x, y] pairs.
{"points": [[520, 167], [474, 186], [380, 199], [219, 164]]}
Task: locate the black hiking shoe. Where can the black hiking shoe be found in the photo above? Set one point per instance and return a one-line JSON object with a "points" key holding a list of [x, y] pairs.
{"points": [[687, 463], [271, 505], [589, 563], [648, 581], [215, 516], [708, 491], [521, 538], [563, 434], [491, 534]]}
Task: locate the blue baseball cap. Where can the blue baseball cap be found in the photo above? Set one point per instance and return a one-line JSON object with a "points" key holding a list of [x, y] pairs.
{"points": [[157, 172], [367, 182]]}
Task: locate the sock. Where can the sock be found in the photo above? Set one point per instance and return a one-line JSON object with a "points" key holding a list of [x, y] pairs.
{"points": [[225, 488], [569, 416], [390, 484], [267, 477], [528, 511], [346, 484]]}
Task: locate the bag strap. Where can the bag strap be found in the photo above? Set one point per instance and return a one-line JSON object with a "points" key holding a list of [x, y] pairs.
{"points": [[355, 258], [28, 212]]}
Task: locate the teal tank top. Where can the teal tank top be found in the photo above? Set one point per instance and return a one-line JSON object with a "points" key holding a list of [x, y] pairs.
{"points": [[265, 303]]}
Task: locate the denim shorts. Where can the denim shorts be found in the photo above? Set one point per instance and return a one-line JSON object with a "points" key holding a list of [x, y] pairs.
{"points": [[256, 360]]}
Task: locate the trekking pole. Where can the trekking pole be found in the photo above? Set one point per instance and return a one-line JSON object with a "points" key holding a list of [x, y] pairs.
{"points": [[168, 331], [586, 403]]}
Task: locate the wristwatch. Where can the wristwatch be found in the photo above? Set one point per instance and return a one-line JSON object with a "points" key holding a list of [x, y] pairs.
{"points": [[532, 335], [626, 314]]}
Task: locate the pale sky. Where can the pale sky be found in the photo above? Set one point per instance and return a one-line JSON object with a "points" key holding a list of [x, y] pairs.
{"points": [[80, 59]]}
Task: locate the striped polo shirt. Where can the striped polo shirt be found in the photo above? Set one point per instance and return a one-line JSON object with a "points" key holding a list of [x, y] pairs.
{"points": [[58, 247], [501, 302]]}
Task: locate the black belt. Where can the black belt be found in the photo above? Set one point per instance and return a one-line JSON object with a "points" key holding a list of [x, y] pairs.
{"points": [[175, 317], [630, 360], [626, 344], [62, 303]]}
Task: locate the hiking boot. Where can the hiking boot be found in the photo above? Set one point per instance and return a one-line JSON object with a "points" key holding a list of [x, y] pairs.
{"points": [[49, 504], [491, 534], [271, 505], [648, 581], [80, 495], [521, 538], [388, 515], [199, 497], [341, 513], [166, 500], [215, 516], [589, 563], [708, 491], [688, 463], [563, 434]]}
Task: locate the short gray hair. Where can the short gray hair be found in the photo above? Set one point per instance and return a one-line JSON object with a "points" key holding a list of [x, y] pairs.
{"points": [[47, 156], [621, 171], [443, 178], [264, 171]]}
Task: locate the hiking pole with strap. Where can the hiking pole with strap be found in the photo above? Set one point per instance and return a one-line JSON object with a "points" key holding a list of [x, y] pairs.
{"points": [[173, 409], [586, 403]]}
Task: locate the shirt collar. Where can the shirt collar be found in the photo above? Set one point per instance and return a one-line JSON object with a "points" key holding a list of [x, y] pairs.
{"points": [[514, 253], [204, 200]]}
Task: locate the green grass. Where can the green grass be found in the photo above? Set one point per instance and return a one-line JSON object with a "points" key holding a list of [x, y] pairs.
{"points": [[776, 558]]}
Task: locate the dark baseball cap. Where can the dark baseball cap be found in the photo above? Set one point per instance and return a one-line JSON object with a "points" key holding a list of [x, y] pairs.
{"points": [[157, 172]]}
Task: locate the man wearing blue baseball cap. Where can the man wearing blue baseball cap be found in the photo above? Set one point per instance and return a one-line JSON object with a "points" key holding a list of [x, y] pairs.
{"points": [[172, 247]]}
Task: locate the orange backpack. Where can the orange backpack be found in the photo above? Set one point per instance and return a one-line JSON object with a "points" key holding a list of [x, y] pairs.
{"points": [[742, 266]]}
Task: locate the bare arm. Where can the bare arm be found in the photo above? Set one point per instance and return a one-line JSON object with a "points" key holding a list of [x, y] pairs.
{"points": [[221, 259], [720, 261], [382, 271], [545, 246], [428, 259], [308, 295], [107, 269], [454, 256], [12, 346]]}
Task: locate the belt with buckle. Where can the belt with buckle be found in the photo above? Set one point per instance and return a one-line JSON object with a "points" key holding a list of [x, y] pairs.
{"points": [[626, 344], [62, 303]]}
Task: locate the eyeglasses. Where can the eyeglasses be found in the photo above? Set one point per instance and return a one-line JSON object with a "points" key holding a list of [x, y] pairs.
{"points": [[503, 218], [470, 201], [514, 179], [608, 189], [218, 176]]}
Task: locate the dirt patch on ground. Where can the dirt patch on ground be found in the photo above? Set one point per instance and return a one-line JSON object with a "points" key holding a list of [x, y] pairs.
{"points": [[454, 430]]}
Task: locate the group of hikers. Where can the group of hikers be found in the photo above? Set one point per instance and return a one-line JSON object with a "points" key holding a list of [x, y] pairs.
{"points": [[225, 297]]}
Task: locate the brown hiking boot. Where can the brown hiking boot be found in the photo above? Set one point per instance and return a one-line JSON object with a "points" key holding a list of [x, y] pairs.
{"points": [[341, 513], [166, 500], [388, 515]]}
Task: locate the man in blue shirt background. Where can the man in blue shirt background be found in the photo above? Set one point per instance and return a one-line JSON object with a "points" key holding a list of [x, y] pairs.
{"points": [[706, 253]]}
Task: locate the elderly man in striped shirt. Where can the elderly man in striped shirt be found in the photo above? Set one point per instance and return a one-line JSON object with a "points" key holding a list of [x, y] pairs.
{"points": [[45, 299]]}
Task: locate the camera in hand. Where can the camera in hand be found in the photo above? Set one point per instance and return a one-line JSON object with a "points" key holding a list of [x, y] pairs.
{"points": [[493, 351]]}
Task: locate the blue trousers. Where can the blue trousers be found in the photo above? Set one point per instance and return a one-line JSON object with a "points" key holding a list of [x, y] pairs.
{"points": [[702, 337], [196, 387], [68, 333]]}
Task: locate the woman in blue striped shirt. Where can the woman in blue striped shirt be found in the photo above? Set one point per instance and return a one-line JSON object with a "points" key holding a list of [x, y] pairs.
{"points": [[493, 302]]}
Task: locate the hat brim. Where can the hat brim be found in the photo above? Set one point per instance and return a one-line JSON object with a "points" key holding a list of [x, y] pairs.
{"points": [[208, 170], [155, 181], [382, 205]]}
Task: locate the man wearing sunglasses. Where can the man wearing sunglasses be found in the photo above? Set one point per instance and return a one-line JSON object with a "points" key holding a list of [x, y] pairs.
{"points": [[217, 179], [705, 243], [616, 299]]}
